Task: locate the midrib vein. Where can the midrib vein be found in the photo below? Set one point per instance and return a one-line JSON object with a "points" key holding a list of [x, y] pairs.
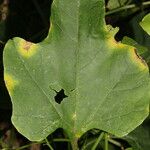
{"points": [[77, 62]]}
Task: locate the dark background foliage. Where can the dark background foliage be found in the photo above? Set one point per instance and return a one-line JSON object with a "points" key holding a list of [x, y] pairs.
{"points": [[29, 19]]}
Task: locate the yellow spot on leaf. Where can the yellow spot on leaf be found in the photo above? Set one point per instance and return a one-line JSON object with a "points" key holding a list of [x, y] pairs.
{"points": [[112, 43], [120, 45], [27, 49], [10, 83], [78, 135]]}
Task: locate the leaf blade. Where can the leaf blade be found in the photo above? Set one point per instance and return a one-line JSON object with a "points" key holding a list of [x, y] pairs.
{"points": [[105, 81]]}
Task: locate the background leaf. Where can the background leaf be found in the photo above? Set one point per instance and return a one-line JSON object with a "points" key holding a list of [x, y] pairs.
{"points": [[112, 4], [139, 138], [146, 23]]}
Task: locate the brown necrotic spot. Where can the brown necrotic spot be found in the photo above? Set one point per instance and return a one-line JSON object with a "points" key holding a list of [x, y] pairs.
{"points": [[25, 48], [27, 45], [139, 57]]}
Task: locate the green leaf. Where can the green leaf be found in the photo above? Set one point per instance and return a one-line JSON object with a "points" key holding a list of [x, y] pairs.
{"points": [[139, 138], [145, 24], [129, 149], [112, 4], [105, 82], [141, 50]]}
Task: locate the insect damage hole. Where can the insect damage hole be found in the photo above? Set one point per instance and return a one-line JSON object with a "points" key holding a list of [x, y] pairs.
{"points": [[60, 96]]}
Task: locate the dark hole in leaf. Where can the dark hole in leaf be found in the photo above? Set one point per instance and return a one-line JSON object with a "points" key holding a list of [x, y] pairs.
{"points": [[60, 96]]}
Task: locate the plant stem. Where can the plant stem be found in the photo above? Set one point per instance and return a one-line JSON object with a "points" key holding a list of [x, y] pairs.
{"points": [[98, 140], [1, 42], [48, 144], [106, 141], [42, 142], [88, 144], [61, 140], [116, 143], [26, 146], [125, 8], [74, 144], [40, 11]]}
